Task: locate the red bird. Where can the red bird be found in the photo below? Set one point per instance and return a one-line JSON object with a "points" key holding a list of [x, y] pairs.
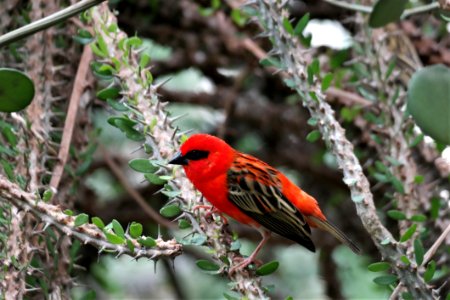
{"points": [[252, 192]]}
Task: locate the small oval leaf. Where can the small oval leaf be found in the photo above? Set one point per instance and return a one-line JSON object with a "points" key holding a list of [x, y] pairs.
{"points": [[98, 222], [385, 280], [429, 272], [170, 211], [386, 11], [268, 268], [379, 266], [142, 165], [429, 101], [16, 90], [207, 265], [114, 239], [136, 230], [147, 242], [396, 214], [418, 251], [108, 93], [408, 233], [118, 229], [81, 219]]}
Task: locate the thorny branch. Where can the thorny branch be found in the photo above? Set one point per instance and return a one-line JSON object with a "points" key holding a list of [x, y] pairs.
{"points": [[286, 47], [164, 143], [87, 233]]}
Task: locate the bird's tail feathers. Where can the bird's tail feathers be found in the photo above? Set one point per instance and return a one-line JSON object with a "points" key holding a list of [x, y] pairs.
{"points": [[327, 226]]}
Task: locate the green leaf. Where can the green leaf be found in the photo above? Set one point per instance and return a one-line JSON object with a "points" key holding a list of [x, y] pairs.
{"points": [[47, 196], [418, 251], [136, 230], [144, 60], [116, 105], [379, 266], [126, 126], [147, 242], [184, 224], [267, 268], [270, 62], [386, 11], [326, 81], [83, 37], [408, 233], [385, 280], [405, 260], [130, 245], [8, 168], [418, 218], [81, 219], [114, 239], [288, 26], [16, 90], [429, 101], [118, 229], [170, 211], [68, 212], [312, 121], [155, 179], [417, 140], [207, 265], [429, 272], [142, 165], [301, 25], [396, 214], [108, 93], [98, 222], [313, 136]]}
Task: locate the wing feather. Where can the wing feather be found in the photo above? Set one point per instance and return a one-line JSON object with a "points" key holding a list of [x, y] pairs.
{"points": [[256, 190]]}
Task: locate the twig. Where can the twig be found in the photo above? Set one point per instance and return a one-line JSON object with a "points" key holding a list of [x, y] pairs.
{"points": [[133, 193], [435, 246], [350, 6], [368, 9], [69, 124], [86, 233], [47, 21]]}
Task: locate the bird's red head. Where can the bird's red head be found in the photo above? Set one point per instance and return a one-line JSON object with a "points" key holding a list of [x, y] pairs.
{"points": [[204, 157]]}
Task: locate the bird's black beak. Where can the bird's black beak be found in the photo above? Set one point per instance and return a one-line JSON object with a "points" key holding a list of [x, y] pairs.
{"points": [[179, 159]]}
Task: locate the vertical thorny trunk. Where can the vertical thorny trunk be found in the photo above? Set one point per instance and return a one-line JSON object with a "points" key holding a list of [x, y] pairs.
{"points": [[37, 258]]}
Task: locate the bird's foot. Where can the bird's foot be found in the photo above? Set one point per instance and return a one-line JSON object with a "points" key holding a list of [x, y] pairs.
{"points": [[243, 263], [210, 210]]}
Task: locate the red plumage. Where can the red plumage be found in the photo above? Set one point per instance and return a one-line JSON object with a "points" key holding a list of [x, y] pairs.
{"points": [[252, 192]]}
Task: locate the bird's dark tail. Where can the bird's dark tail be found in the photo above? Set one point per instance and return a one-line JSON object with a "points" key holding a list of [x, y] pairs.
{"points": [[327, 226]]}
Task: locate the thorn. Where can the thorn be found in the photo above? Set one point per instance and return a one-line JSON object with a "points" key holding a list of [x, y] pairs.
{"points": [[173, 263], [138, 149], [155, 87], [178, 117], [174, 133], [155, 261], [165, 119], [184, 132], [159, 231], [262, 35], [47, 224], [101, 249], [158, 191], [194, 224], [274, 52]]}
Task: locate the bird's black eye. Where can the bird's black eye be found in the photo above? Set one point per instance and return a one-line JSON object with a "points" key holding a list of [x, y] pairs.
{"points": [[196, 154]]}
